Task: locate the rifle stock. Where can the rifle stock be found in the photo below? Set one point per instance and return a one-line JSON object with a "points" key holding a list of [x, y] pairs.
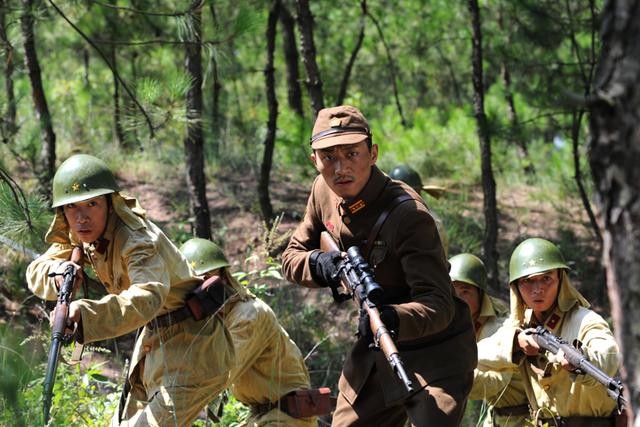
{"points": [[58, 329], [553, 343], [363, 290]]}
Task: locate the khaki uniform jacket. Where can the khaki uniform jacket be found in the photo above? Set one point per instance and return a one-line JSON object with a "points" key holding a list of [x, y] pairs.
{"points": [[551, 390], [145, 276], [436, 338], [500, 389]]}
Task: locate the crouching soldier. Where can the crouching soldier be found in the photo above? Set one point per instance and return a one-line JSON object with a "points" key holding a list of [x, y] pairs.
{"points": [[542, 295], [502, 391], [181, 361], [268, 372]]}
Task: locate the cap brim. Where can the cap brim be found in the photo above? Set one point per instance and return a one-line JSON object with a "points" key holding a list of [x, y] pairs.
{"points": [[344, 138]]}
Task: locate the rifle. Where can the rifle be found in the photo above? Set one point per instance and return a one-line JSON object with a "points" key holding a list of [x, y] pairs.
{"points": [[58, 336], [358, 284], [553, 343]]}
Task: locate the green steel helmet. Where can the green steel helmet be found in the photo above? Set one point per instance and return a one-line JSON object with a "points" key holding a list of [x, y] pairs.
{"points": [[203, 255], [82, 177], [534, 256], [407, 175], [468, 268]]}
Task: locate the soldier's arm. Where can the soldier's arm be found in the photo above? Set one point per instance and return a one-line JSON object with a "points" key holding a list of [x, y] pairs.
{"points": [[488, 384], [498, 352], [115, 315], [304, 241], [599, 346], [425, 269], [38, 280]]}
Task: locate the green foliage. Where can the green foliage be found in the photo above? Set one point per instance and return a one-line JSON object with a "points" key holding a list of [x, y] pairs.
{"points": [[81, 397], [14, 225]]}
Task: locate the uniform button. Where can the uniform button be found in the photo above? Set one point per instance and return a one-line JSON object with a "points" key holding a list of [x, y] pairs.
{"points": [[346, 220], [546, 387], [147, 348]]}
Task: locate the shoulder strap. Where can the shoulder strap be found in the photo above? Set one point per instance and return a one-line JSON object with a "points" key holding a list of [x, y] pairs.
{"points": [[382, 219]]}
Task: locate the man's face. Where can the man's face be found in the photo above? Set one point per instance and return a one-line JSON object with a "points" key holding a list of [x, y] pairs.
{"points": [[346, 168], [88, 218], [471, 295], [539, 292]]}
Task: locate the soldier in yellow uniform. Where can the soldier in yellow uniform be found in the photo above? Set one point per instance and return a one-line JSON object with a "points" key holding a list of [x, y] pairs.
{"points": [[268, 364], [542, 294], [503, 391], [410, 177], [179, 364]]}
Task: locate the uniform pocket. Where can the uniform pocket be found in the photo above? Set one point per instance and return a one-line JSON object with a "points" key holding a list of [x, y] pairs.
{"points": [[378, 253]]}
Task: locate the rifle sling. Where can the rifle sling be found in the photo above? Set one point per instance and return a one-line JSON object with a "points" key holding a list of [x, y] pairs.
{"points": [[381, 220]]}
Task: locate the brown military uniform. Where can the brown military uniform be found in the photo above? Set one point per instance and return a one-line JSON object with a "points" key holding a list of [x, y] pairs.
{"points": [[436, 337]]}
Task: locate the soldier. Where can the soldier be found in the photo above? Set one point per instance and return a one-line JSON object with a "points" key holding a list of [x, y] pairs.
{"points": [[268, 365], [181, 359], [359, 205], [542, 294], [503, 391], [409, 176]]}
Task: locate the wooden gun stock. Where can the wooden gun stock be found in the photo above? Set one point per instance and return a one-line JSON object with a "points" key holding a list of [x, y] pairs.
{"points": [[58, 329]]}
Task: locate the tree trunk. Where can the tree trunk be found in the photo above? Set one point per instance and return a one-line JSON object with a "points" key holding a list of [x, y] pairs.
{"points": [[194, 140], [515, 137], [294, 93], [392, 69], [614, 157], [272, 104], [47, 162], [308, 49], [488, 183], [112, 19], [8, 127], [216, 91], [342, 93]]}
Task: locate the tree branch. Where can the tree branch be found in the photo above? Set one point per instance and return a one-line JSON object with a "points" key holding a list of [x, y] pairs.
{"points": [[113, 70], [392, 68]]}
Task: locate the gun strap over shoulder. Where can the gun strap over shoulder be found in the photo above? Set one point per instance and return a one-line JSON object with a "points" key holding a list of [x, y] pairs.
{"points": [[382, 219]]}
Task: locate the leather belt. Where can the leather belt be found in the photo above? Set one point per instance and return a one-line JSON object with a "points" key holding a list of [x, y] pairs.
{"points": [[506, 411], [576, 422], [170, 318], [263, 408]]}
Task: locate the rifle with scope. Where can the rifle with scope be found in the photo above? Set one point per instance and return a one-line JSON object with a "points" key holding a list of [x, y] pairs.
{"points": [[358, 283]]}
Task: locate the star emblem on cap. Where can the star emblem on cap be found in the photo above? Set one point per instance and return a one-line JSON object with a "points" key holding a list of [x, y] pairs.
{"points": [[75, 186], [335, 122], [193, 264], [532, 262]]}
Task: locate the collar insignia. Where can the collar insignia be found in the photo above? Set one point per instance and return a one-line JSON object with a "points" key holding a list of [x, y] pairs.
{"points": [[101, 246], [553, 321], [356, 206], [335, 122]]}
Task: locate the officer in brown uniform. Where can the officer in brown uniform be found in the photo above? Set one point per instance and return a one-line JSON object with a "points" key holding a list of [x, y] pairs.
{"points": [[359, 205]]}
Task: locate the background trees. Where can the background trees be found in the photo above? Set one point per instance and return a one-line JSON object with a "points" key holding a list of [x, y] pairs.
{"points": [[217, 142]]}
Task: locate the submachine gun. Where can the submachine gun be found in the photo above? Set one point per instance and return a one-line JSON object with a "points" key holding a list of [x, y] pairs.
{"points": [[553, 343], [58, 335], [359, 284]]}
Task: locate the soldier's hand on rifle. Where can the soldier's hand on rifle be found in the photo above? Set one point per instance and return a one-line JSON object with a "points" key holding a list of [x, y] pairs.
{"points": [[564, 363], [527, 343], [388, 316], [72, 320], [60, 274], [324, 268]]}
